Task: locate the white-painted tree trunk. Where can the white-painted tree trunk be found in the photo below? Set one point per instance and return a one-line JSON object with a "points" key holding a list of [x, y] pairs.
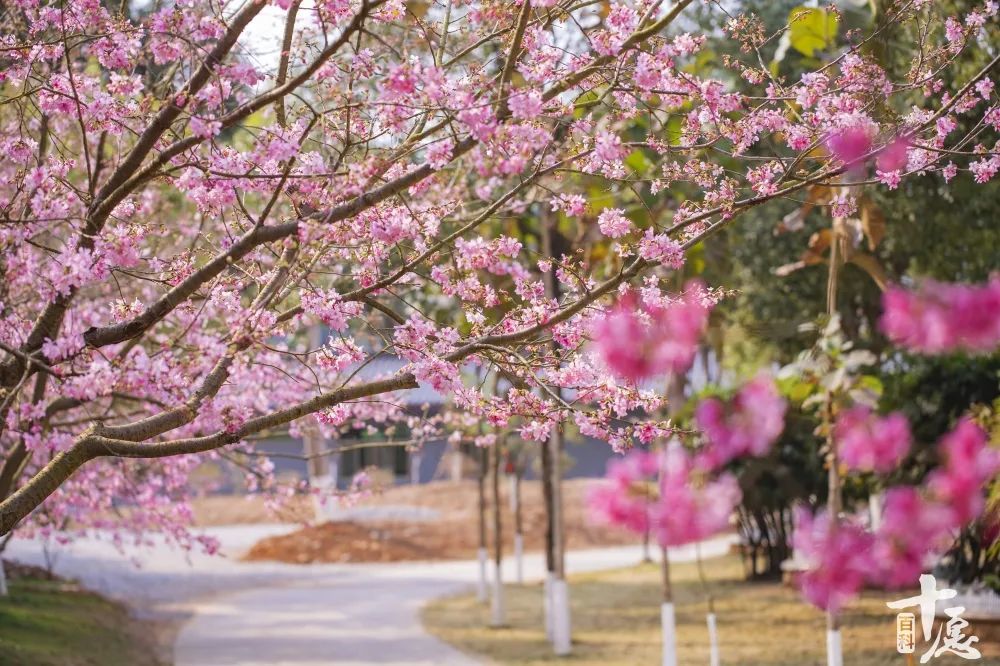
{"points": [[519, 557], [496, 603], [481, 592], [561, 632], [713, 641], [875, 510], [668, 624], [3, 580], [834, 648], [547, 605], [415, 459]]}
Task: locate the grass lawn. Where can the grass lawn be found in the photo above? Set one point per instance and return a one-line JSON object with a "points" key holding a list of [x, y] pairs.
{"points": [[52, 623], [616, 621]]}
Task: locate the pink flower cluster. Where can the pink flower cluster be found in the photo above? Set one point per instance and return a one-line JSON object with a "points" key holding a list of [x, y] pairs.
{"points": [[837, 555], [841, 556], [749, 424], [871, 444], [968, 463], [939, 317], [664, 494], [912, 526], [638, 340], [613, 223], [853, 143]]}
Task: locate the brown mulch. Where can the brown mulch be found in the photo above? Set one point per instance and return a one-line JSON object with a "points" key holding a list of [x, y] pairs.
{"points": [[455, 535]]}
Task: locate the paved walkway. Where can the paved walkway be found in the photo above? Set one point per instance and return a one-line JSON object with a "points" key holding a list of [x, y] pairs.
{"points": [[251, 614]]}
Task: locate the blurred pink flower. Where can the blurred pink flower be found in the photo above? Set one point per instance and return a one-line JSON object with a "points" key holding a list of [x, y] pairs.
{"points": [[866, 442], [627, 496], [638, 341], [893, 156], [664, 494], [968, 463], [939, 317], [850, 144], [749, 424], [690, 508], [912, 527], [837, 556]]}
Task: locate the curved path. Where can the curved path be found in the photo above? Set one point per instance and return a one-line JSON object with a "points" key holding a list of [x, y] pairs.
{"points": [[251, 614]]}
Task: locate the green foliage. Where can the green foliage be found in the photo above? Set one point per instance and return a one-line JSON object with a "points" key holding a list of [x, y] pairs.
{"points": [[812, 29], [934, 392]]}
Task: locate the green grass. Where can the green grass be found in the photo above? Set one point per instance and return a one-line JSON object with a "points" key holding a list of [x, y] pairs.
{"points": [[49, 623], [616, 622]]}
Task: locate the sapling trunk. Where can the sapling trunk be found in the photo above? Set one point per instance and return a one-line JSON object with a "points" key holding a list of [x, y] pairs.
{"points": [[482, 553], [561, 632], [713, 634], [518, 525], [496, 607], [834, 651], [549, 474], [668, 620]]}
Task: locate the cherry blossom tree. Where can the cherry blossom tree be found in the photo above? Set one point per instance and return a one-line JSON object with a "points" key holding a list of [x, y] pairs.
{"points": [[178, 211]]}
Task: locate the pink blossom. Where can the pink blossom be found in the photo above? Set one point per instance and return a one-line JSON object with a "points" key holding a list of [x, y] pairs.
{"points": [[749, 424], [330, 308], [866, 442], [613, 223], [526, 105], [627, 497], [837, 557], [536, 431], [608, 147], [439, 153], [893, 156], [983, 170], [691, 508], [850, 144], [969, 463], [663, 494], [205, 129], [890, 179], [939, 317], [660, 338], [662, 249], [572, 205], [911, 529]]}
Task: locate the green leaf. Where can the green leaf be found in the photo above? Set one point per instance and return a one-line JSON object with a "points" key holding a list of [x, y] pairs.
{"points": [[638, 162], [673, 129], [599, 198], [812, 29], [583, 103]]}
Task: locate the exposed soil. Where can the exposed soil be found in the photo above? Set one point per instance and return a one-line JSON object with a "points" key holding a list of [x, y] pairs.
{"points": [[249, 509], [455, 535]]}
